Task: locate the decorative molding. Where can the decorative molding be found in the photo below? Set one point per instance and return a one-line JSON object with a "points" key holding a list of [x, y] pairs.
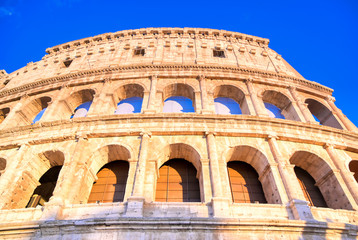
{"points": [[63, 78]]}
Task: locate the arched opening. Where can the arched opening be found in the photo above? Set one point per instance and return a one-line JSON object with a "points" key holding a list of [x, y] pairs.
{"points": [[230, 100], [82, 110], [273, 111], [244, 183], [178, 98], [177, 182], [2, 165], [32, 112], [241, 159], [77, 104], [353, 167], [178, 104], [324, 178], [226, 106], [44, 191], [279, 106], [322, 113], [129, 105], [111, 183], [3, 114], [311, 192], [130, 99]]}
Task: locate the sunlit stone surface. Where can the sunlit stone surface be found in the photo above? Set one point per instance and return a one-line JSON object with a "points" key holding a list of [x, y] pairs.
{"points": [[173, 133]]}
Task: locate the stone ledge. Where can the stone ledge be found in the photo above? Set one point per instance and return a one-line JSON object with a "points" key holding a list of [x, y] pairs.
{"points": [[233, 121]]}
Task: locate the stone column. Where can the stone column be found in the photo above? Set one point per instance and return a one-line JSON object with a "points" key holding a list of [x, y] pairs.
{"points": [[205, 180], [72, 171], [152, 95], [255, 101], [299, 207], [11, 119], [54, 111], [144, 107], [103, 102], [204, 95], [130, 180], [302, 107], [220, 204], [197, 102], [9, 181], [136, 201], [345, 173], [346, 122]]}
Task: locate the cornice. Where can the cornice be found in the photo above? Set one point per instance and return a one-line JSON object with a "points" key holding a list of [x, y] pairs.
{"points": [[158, 33], [66, 77]]}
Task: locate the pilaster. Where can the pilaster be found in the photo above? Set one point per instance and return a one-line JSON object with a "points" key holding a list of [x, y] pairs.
{"points": [[299, 207], [344, 172], [338, 113], [259, 109]]}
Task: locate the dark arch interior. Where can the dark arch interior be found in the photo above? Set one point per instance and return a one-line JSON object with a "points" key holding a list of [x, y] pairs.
{"points": [[312, 193], [177, 182], [43, 192], [3, 113], [111, 183], [353, 167], [244, 183]]}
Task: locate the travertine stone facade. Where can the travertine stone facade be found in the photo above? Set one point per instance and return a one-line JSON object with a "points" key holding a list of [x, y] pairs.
{"points": [[106, 69]]}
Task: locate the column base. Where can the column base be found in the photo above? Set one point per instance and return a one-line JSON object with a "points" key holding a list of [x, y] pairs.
{"points": [[220, 207], [206, 111], [52, 212], [135, 206], [149, 111], [301, 210]]}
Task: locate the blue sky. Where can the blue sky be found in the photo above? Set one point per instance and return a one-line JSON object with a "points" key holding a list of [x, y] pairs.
{"points": [[318, 38]]}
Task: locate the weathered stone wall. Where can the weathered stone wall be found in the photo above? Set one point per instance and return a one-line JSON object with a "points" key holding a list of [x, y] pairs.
{"points": [[177, 62]]}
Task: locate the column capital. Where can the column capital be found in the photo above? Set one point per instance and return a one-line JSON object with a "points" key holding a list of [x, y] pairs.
{"points": [[292, 88], [107, 80], [260, 94], [210, 133], [79, 136], [154, 77], [64, 86], [330, 99], [145, 134], [201, 77], [24, 96], [328, 145], [272, 136], [249, 80]]}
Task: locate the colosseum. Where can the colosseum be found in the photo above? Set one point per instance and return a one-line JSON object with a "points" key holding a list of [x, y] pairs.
{"points": [[174, 133]]}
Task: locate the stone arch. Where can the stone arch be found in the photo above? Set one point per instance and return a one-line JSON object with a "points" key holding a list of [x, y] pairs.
{"points": [[179, 150], [322, 113], [232, 92], [256, 159], [325, 178], [3, 113], [76, 99], [32, 111], [281, 101], [107, 154], [128, 91], [179, 90], [182, 152], [30, 181], [111, 160]]}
